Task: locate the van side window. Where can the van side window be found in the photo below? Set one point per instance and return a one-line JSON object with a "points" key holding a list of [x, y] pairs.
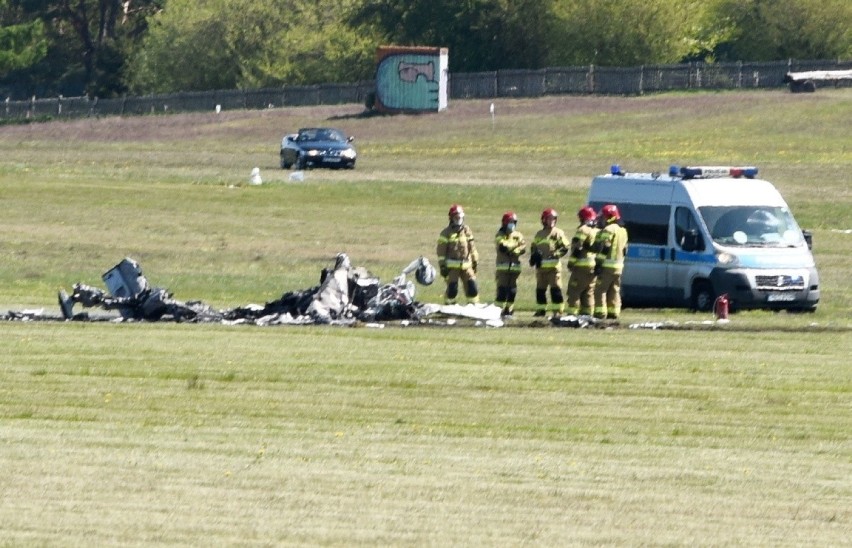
{"points": [[687, 231], [646, 224]]}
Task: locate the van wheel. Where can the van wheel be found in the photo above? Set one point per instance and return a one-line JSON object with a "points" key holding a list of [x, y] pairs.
{"points": [[703, 296]]}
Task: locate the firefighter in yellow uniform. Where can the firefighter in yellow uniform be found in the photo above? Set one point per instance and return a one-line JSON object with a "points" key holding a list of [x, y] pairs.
{"points": [[610, 249], [510, 246], [458, 258], [581, 264], [549, 245]]}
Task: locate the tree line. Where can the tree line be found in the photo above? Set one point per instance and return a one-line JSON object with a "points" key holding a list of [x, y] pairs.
{"points": [[108, 48]]}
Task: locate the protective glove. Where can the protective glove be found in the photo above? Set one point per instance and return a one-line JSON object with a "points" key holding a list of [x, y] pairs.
{"points": [[535, 258], [503, 248], [598, 269], [444, 270], [474, 265]]}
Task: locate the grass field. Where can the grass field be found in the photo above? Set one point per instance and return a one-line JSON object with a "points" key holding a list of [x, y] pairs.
{"points": [[135, 434]]}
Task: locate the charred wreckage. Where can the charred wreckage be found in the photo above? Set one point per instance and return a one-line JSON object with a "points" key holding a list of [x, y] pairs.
{"points": [[345, 295]]}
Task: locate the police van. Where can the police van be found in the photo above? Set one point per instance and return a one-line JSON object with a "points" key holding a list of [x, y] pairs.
{"points": [[696, 233]]}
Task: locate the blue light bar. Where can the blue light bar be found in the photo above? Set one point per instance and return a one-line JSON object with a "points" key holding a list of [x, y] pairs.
{"points": [[615, 169], [674, 171]]}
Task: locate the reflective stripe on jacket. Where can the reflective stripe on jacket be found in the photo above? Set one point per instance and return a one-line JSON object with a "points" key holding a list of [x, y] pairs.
{"points": [[456, 247], [510, 247], [582, 247], [611, 247], [552, 244]]}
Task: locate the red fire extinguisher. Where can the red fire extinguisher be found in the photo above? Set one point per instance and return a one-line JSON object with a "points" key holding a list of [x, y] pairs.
{"points": [[720, 307]]}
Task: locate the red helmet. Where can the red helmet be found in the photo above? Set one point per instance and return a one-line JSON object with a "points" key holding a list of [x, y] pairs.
{"points": [[548, 213], [610, 212], [586, 214], [509, 217], [456, 209]]}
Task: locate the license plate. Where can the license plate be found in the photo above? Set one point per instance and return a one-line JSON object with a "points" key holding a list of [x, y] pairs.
{"points": [[781, 297], [332, 160]]}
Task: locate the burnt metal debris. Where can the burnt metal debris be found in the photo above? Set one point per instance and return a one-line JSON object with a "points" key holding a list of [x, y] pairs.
{"points": [[345, 295]]}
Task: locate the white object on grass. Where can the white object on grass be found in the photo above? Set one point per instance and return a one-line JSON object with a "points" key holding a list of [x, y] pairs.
{"points": [[255, 177]]}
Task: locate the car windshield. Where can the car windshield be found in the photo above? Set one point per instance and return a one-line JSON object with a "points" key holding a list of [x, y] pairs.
{"points": [[321, 134], [752, 226]]}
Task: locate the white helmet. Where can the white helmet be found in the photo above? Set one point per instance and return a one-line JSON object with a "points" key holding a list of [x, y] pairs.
{"points": [[425, 273]]}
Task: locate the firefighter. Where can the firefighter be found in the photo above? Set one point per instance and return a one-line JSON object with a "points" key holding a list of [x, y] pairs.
{"points": [[510, 246], [610, 249], [549, 245], [458, 258], [581, 264]]}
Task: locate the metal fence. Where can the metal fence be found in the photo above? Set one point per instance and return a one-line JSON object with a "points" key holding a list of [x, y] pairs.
{"points": [[478, 85]]}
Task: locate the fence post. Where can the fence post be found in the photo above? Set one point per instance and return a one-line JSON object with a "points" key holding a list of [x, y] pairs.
{"points": [[590, 79], [739, 74], [641, 79]]}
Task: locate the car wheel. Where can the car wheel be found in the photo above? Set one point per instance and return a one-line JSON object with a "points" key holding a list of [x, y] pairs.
{"points": [[703, 296], [285, 164]]}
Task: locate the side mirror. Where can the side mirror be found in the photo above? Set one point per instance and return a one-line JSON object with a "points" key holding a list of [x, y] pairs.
{"points": [[809, 238], [350, 139]]}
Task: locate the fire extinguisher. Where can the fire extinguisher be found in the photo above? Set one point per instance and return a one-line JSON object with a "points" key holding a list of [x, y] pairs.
{"points": [[720, 307]]}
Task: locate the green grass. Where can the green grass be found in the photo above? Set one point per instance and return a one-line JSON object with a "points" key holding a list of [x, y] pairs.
{"points": [[129, 434]]}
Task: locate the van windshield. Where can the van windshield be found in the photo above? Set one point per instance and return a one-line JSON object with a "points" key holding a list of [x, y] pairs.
{"points": [[752, 226]]}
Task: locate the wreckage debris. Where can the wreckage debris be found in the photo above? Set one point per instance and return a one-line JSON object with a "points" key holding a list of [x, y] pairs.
{"points": [[344, 296], [578, 322]]}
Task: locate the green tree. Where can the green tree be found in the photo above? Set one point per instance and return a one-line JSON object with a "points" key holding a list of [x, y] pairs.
{"points": [[767, 30], [80, 45], [480, 34], [221, 44], [22, 43], [185, 49], [312, 45], [626, 32]]}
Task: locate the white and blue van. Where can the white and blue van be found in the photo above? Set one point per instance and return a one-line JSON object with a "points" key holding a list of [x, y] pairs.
{"points": [[695, 233]]}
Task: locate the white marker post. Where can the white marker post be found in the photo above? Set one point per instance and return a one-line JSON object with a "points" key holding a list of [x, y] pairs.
{"points": [[255, 178], [491, 108]]}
